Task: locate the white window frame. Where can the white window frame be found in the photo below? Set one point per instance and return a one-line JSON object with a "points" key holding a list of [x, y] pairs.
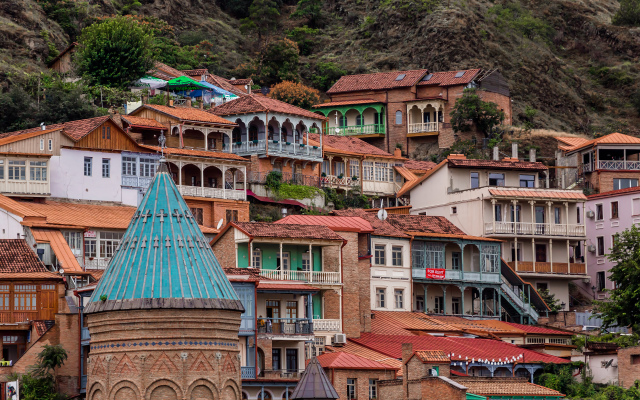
{"points": [[38, 171], [354, 168], [285, 262], [381, 297], [367, 170], [41, 144], [601, 206], [17, 170], [398, 297], [306, 264], [396, 256], [383, 249], [635, 206], [129, 166], [256, 258], [106, 167], [88, 166]]}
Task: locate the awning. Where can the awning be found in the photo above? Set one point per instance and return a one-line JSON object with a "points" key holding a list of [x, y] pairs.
{"points": [[183, 83], [59, 246], [215, 90], [268, 200], [149, 82]]}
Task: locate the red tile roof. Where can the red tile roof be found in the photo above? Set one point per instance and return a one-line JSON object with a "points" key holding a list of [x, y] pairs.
{"points": [[539, 193], [195, 72], [349, 145], [406, 188], [406, 323], [423, 224], [612, 138], [238, 82], [428, 356], [491, 164], [17, 257], [380, 228], [188, 114], [43, 326], [287, 230], [511, 387], [448, 78], [197, 153], [377, 81], [342, 360], [354, 348], [459, 347], [76, 130], [339, 224], [286, 286], [419, 165], [345, 103], [95, 273], [535, 329], [163, 71], [224, 83], [143, 122], [252, 103], [243, 274], [612, 193]]}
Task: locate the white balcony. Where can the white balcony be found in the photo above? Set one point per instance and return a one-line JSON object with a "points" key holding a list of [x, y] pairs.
{"points": [[424, 127], [94, 263], [326, 325], [136, 181], [294, 149], [212, 193], [317, 277], [249, 147], [333, 181], [25, 187], [458, 275], [531, 229]]}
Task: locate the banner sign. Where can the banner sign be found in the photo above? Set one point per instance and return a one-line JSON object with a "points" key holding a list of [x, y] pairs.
{"points": [[434, 273]]}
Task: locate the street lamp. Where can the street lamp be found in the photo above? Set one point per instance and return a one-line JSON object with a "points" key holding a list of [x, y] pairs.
{"points": [[564, 314]]}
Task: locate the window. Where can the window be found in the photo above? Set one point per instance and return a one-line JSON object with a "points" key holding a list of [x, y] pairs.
{"points": [[420, 303], [74, 239], [90, 248], [373, 388], [382, 172], [306, 262], [50, 145], [4, 298], [614, 209], [635, 203], [439, 304], [24, 298], [325, 167], [454, 210], [354, 168], [399, 298], [351, 387], [578, 214], [108, 243], [87, 166], [379, 252], [257, 258], [275, 359], [292, 310], [367, 170], [197, 214], [41, 144], [398, 117], [635, 359], [600, 281], [542, 286], [339, 169], [1, 169], [599, 213], [496, 179], [284, 264], [129, 166], [455, 305], [475, 180], [380, 297], [456, 257], [623, 183], [600, 242], [396, 256], [232, 215], [38, 170], [106, 132], [106, 167], [147, 167], [498, 209], [17, 170], [527, 181], [556, 215]]}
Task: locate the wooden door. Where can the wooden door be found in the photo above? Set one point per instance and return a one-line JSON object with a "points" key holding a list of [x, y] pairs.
{"points": [[48, 304]]}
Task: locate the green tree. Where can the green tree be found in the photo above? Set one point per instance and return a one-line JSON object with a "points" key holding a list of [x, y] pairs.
{"points": [[470, 110], [49, 360], [279, 62], [311, 10], [623, 308], [262, 19], [115, 51], [295, 93], [628, 13], [327, 73], [550, 299]]}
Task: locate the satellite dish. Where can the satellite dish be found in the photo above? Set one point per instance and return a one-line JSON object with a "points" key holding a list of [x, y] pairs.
{"points": [[382, 214], [61, 271], [337, 130], [220, 224]]}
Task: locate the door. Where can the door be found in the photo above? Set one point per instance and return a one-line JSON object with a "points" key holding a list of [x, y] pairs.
{"points": [[48, 304], [275, 359], [540, 220], [515, 218], [541, 253], [292, 361], [273, 316]]}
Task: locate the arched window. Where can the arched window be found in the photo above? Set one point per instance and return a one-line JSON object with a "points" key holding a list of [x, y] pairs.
{"points": [[253, 132], [257, 258], [271, 132], [245, 396], [264, 395], [398, 117], [236, 135]]}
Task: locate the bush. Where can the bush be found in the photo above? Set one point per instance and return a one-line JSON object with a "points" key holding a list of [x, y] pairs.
{"points": [[628, 13], [471, 111], [304, 38], [279, 62], [327, 73], [273, 181], [295, 93], [513, 17], [611, 77], [192, 38]]}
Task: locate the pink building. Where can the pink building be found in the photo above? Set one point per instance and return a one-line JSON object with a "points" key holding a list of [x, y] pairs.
{"points": [[606, 214]]}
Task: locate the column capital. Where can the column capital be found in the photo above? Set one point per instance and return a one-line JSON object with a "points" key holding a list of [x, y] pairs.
{"points": [[494, 201], [514, 201], [532, 202]]}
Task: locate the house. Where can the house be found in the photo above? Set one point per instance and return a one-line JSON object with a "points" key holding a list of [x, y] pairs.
{"points": [[628, 366], [608, 213], [607, 163], [542, 230], [601, 361], [350, 162], [410, 109]]}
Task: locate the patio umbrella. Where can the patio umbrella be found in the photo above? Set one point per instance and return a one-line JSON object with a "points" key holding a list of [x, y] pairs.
{"points": [[215, 91], [149, 82], [183, 83]]}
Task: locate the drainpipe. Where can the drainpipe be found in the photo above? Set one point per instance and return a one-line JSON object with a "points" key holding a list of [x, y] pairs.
{"points": [[80, 310]]}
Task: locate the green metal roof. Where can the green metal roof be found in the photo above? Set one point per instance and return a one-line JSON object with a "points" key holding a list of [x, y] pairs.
{"points": [[163, 260]]}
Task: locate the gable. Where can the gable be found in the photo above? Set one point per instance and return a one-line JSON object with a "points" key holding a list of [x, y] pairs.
{"points": [[114, 138], [144, 112], [31, 144]]}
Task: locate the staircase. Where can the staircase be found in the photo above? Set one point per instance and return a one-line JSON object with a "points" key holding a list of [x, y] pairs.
{"points": [[513, 292]]}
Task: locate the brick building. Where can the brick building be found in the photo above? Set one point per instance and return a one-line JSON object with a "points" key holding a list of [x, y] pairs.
{"points": [[163, 319], [628, 366], [409, 109]]}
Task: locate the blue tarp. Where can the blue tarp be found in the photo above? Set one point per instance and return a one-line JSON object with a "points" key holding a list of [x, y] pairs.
{"points": [[216, 91]]}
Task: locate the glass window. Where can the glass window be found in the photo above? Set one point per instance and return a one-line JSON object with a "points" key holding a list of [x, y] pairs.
{"points": [[396, 256], [74, 239], [292, 309], [41, 144], [527, 181], [399, 298], [351, 387], [106, 167], [257, 258], [380, 297], [600, 242], [90, 248], [498, 208], [339, 166], [614, 209], [129, 166], [373, 388], [578, 214], [325, 167], [232, 215], [623, 183], [108, 243], [17, 170], [456, 257], [24, 298], [379, 254], [367, 170], [50, 145], [475, 180], [496, 179], [306, 262], [398, 117], [106, 132], [382, 173], [354, 168], [600, 281], [556, 215], [197, 214], [87, 166], [38, 170], [284, 264], [599, 213], [147, 167], [1, 169]]}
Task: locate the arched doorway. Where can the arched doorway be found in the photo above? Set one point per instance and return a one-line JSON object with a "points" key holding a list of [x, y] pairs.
{"points": [[260, 362], [191, 175], [212, 177]]}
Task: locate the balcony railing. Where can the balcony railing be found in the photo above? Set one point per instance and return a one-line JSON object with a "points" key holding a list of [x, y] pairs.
{"points": [[294, 149], [317, 277], [531, 228], [458, 275], [25, 187], [94, 263], [285, 326], [212, 193], [549, 267], [334, 181], [370, 129], [136, 181], [13, 317], [619, 165], [248, 372], [525, 307], [424, 127], [326, 325], [281, 373], [250, 147], [287, 177]]}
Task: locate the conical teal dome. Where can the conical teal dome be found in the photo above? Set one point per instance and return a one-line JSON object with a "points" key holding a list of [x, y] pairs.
{"points": [[164, 260]]}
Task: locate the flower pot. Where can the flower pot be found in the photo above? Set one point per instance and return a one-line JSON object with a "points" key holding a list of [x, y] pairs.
{"points": [[275, 141], [315, 147], [255, 142], [288, 143]]}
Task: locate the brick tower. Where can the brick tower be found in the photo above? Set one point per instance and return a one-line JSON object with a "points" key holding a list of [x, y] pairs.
{"points": [[164, 319]]}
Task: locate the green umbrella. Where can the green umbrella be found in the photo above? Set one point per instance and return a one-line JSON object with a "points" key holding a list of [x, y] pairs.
{"points": [[183, 83]]}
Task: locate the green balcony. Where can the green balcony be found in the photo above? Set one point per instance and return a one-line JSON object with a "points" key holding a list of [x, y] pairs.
{"points": [[370, 129]]}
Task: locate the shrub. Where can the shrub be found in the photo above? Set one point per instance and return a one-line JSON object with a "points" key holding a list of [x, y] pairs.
{"points": [[470, 110], [513, 17], [273, 181], [311, 10], [279, 62], [327, 73], [295, 93], [628, 13], [304, 38], [611, 77]]}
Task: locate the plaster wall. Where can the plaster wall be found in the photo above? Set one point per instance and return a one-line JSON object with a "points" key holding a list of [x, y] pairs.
{"points": [[10, 227]]}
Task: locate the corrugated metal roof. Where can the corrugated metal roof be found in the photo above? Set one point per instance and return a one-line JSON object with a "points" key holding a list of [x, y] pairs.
{"points": [[340, 224], [539, 193], [342, 360], [612, 138], [59, 246]]}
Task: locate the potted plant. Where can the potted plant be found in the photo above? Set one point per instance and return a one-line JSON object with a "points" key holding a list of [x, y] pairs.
{"points": [[354, 178], [275, 142], [340, 176], [315, 147], [288, 143], [324, 175], [302, 144], [238, 143], [255, 142]]}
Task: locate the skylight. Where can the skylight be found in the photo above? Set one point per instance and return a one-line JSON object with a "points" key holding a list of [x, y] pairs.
{"points": [[426, 78], [460, 74], [400, 77]]}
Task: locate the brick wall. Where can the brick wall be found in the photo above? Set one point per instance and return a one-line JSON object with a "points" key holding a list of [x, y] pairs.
{"points": [[225, 250], [437, 389], [603, 180], [356, 315], [628, 366], [266, 346], [339, 378], [391, 389], [214, 210]]}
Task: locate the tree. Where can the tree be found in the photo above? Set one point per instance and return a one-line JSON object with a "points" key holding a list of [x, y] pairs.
{"points": [[262, 19], [628, 13], [279, 62], [622, 306], [327, 73], [311, 10], [49, 360], [295, 93], [550, 299], [115, 51], [470, 110]]}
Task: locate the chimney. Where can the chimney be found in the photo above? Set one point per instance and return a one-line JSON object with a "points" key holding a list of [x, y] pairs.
{"points": [[496, 153], [397, 152], [455, 156], [170, 102], [189, 102], [201, 104], [532, 155], [514, 150], [407, 352]]}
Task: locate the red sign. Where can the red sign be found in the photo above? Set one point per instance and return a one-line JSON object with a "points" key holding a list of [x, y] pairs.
{"points": [[434, 273]]}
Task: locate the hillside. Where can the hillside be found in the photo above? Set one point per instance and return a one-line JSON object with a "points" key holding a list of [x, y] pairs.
{"points": [[563, 58]]}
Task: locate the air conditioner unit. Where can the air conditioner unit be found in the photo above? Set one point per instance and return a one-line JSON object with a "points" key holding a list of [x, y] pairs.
{"points": [[339, 338], [591, 248], [590, 214]]}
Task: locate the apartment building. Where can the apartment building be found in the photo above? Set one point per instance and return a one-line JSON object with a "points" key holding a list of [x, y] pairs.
{"points": [[542, 231]]}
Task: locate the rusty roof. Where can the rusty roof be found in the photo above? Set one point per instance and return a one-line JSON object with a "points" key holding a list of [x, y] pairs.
{"points": [[345, 360], [612, 138], [539, 193], [197, 153], [163, 71], [17, 257], [224, 83], [491, 164], [78, 215], [339, 224], [406, 188], [349, 145], [448, 78], [252, 103], [399, 322], [237, 82], [423, 224], [286, 230], [520, 387], [568, 142], [377, 81], [380, 228], [188, 114], [19, 208], [143, 122], [75, 130], [59, 246], [416, 165], [354, 348]]}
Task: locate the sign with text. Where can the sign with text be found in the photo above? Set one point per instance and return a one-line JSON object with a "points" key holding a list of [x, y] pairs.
{"points": [[434, 273], [90, 234]]}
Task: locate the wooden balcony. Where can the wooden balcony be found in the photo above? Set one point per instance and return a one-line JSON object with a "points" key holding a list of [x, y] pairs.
{"points": [[549, 268], [423, 128], [8, 317]]}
